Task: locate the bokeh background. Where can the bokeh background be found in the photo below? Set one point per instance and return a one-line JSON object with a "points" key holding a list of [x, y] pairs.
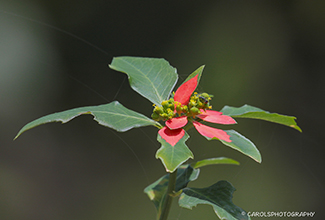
{"points": [[54, 56]]}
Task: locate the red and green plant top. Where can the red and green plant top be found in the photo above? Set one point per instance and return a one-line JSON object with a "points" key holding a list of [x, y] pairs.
{"points": [[155, 80], [186, 107]]}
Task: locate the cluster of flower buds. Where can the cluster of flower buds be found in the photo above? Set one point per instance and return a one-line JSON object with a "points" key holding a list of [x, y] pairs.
{"points": [[198, 102], [169, 108], [165, 111]]}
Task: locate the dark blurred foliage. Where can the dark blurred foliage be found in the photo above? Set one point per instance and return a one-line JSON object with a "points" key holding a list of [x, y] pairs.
{"points": [[54, 56]]}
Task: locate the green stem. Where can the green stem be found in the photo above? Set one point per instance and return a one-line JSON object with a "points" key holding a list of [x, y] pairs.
{"points": [[188, 126], [169, 198], [171, 187]]}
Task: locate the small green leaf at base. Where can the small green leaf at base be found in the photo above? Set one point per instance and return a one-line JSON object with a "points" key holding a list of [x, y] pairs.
{"points": [[219, 196], [173, 156], [153, 78], [113, 115], [214, 161], [247, 111]]}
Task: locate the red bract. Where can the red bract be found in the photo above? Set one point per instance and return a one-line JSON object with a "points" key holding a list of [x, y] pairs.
{"points": [[175, 123], [215, 117], [171, 136], [211, 132], [184, 92], [173, 130]]}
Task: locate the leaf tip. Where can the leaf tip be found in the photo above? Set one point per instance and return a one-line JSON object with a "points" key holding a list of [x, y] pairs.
{"points": [[16, 136], [296, 127], [201, 68], [257, 158], [19, 133]]}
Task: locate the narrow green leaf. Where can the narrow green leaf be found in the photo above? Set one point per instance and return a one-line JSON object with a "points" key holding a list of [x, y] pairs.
{"points": [[214, 161], [173, 156], [152, 78], [219, 196], [113, 115], [157, 190], [234, 111], [247, 111], [243, 145]]}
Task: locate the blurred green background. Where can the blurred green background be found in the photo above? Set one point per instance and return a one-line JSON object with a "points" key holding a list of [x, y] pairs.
{"points": [[54, 56]]}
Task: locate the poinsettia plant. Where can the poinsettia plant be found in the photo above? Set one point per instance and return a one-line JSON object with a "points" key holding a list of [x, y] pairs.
{"points": [[174, 113]]}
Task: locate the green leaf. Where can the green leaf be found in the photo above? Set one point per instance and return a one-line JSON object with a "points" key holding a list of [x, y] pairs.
{"points": [[113, 115], [243, 145], [214, 161], [185, 174], [152, 78], [157, 190], [247, 111], [173, 156], [219, 196]]}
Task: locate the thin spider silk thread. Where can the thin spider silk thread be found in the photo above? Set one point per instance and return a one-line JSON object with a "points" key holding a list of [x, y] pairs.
{"points": [[79, 81]]}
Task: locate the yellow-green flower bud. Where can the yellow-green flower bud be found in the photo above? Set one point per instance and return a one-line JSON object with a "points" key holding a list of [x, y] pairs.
{"points": [[155, 116], [169, 111], [200, 105], [179, 109], [191, 103], [194, 111], [165, 104], [205, 98], [158, 110], [185, 109]]}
